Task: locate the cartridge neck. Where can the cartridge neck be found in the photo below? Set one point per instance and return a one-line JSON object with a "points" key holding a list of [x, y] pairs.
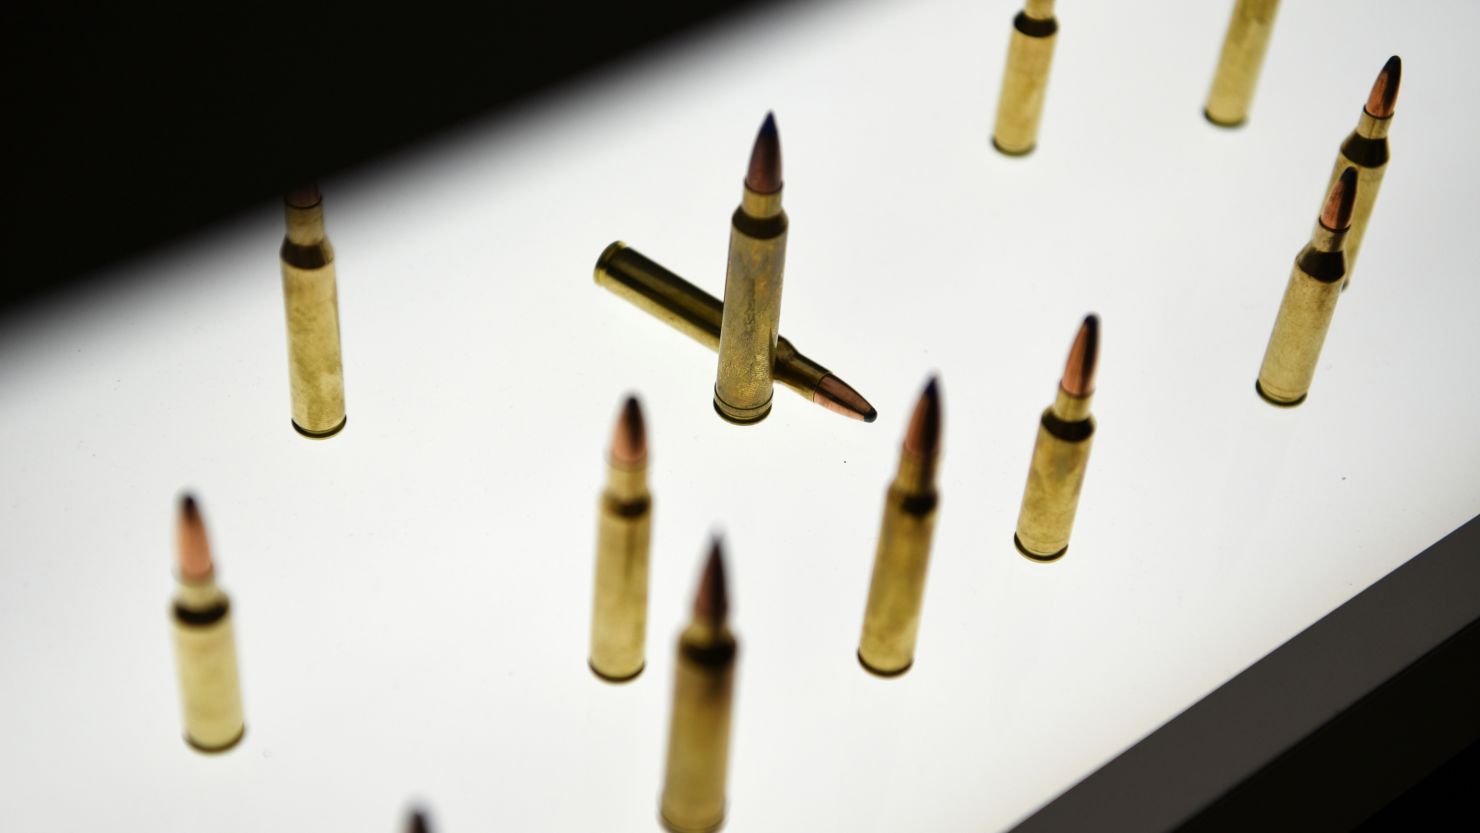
{"points": [[1372, 127], [1039, 9], [199, 595], [626, 482], [1071, 408], [305, 225], [916, 473], [761, 206], [703, 634], [1327, 240]]}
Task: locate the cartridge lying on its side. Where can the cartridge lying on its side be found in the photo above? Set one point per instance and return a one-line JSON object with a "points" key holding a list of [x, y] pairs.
{"points": [[1309, 302], [1061, 454], [1366, 149], [311, 300], [619, 608], [1025, 81], [703, 693], [751, 319], [695, 313], [1240, 61], [891, 621], [205, 646]]}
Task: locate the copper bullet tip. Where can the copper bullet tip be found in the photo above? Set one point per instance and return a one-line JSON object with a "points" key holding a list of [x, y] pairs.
{"points": [[193, 550], [304, 195], [712, 602], [839, 397], [764, 176], [1084, 357], [1337, 214], [1383, 99], [417, 822], [922, 438], [629, 440]]}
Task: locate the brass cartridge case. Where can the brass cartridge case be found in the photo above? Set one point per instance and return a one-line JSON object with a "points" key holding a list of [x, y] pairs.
{"points": [[1055, 477], [695, 313], [311, 301], [1240, 61], [619, 608], [205, 661], [751, 317], [697, 770], [1366, 150], [1025, 81], [1305, 315], [891, 621]]}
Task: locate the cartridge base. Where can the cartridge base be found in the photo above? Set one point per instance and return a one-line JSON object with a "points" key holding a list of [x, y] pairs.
{"points": [[321, 435], [741, 416], [618, 680], [1033, 556], [880, 672], [1004, 151], [1259, 389], [1230, 124], [679, 828], [216, 750]]}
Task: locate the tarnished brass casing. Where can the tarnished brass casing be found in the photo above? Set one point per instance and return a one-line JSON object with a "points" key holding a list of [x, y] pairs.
{"points": [[699, 733], [1055, 476], [1240, 61], [205, 661], [1366, 149], [692, 311], [751, 317], [1305, 315], [1025, 81], [619, 609], [311, 300], [891, 622]]}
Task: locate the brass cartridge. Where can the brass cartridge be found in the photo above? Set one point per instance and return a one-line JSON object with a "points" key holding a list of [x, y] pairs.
{"points": [[891, 621], [311, 300], [1240, 61], [1310, 301], [205, 645], [1060, 454], [619, 608], [695, 313], [1025, 81], [1366, 149], [751, 319], [703, 693]]}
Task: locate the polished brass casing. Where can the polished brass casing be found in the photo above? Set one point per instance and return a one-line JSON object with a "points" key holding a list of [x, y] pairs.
{"points": [[1366, 149], [1240, 61], [699, 733], [692, 311], [891, 622], [619, 607], [751, 319], [1025, 81], [1305, 315], [1055, 477], [205, 661], [311, 300]]}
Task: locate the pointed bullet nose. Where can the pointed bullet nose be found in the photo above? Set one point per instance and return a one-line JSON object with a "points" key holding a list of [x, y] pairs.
{"points": [[1084, 358], [629, 440], [1383, 99], [712, 601], [192, 548], [1336, 215], [922, 438], [764, 174]]}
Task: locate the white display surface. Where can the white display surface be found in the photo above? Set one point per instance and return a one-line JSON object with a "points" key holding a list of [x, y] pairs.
{"points": [[412, 596]]}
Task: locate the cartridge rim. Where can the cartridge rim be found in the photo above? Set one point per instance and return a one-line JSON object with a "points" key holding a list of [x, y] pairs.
{"points": [[1283, 403], [879, 672], [216, 750], [1035, 557], [741, 416], [1009, 152], [320, 435], [607, 678]]}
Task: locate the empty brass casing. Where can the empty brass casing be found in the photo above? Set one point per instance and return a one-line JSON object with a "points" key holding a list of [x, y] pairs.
{"points": [[1366, 149], [699, 733], [891, 622], [1305, 315], [1025, 81], [1240, 61], [205, 660], [619, 609], [751, 319], [1055, 477], [311, 300], [692, 311]]}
